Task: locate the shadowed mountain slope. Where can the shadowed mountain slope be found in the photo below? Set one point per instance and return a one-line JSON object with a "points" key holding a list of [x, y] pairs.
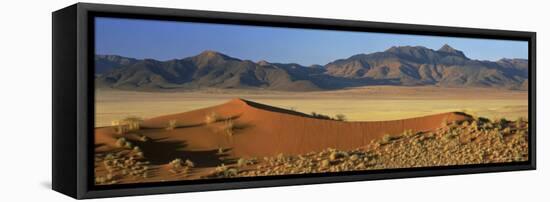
{"points": [[404, 66]]}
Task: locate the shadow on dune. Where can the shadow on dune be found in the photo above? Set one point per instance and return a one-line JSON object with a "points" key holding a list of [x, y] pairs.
{"points": [[98, 145], [162, 151], [242, 126], [149, 127], [231, 118], [463, 114], [286, 111], [275, 109], [191, 125]]}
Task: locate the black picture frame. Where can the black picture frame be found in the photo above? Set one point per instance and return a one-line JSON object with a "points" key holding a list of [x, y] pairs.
{"points": [[73, 99]]}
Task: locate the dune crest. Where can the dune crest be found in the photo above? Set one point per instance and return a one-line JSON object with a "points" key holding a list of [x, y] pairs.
{"points": [[263, 130]]}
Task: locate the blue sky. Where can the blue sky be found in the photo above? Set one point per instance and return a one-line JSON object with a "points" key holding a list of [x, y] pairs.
{"points": [[165, 40]]}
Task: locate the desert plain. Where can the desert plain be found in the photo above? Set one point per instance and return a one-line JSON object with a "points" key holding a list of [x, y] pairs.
{"points": [[373, 103]]}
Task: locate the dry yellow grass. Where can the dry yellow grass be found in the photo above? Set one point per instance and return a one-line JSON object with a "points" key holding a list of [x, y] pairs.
{"points": [[213, 117], [362, 104], [172, 124]]}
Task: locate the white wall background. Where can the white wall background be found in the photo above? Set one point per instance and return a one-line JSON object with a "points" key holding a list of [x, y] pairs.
{"points": [[25, 97]]}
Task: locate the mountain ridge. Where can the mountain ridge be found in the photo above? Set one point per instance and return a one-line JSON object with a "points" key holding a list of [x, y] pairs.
{"points": [[398, 65]]}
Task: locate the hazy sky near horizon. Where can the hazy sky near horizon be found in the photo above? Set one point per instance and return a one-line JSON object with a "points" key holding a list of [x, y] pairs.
{"points": [[165, 40]]}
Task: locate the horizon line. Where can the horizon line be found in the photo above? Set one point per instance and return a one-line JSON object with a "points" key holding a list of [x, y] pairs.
{"points": [[260, 60]]}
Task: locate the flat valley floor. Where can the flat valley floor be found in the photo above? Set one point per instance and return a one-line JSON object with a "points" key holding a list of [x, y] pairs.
{"points": [[359, 104]]}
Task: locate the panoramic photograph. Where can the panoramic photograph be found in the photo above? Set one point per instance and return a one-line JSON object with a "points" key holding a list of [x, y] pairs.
{"points": [[178, 101]]}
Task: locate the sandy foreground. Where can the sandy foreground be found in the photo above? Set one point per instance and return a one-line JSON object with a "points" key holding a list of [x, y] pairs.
{"points": [[240, 138]]}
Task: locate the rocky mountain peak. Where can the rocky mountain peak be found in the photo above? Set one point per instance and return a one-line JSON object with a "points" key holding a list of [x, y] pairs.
{"points": [[450, 50]]}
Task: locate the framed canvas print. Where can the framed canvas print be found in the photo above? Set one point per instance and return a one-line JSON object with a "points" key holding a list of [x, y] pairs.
{"points": [[154, 100]]}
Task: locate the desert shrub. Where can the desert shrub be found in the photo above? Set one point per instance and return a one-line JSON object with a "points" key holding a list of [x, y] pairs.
{"points": [[100, 180], [334, 155], [451, 134], [109, 156], [506, 130], [176, 163], [107, 163], [320, 116], [132, 122], [231, 172], [241, 162], [128, 145], [387, 138], [483, 119], [126, 125], [488, 125], [189, 163], [409, 133], [179, 166], [213, 117], [121, 129], [453, 124], [224, 171], [171, 125], [325, 163], [252, 160], [520, 121], [121, 142], [228, 127], [521, 133], [473, 125], [280, 156], [500, 135], [109, 176], [444, 123], [143, 138], [500, 123], [341, 117], [428, 135], [221, 168], [337, 154]]}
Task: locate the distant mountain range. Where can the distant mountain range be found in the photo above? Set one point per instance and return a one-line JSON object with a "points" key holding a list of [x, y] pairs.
{"points": [[402, 66]]}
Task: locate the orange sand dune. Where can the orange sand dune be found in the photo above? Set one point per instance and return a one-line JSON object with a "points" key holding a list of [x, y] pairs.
{"points": [[262, 130]]}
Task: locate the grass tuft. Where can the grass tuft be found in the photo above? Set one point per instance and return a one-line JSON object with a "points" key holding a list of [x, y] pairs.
{"points": [[213, 117], [172, 124], [229, 127]]}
